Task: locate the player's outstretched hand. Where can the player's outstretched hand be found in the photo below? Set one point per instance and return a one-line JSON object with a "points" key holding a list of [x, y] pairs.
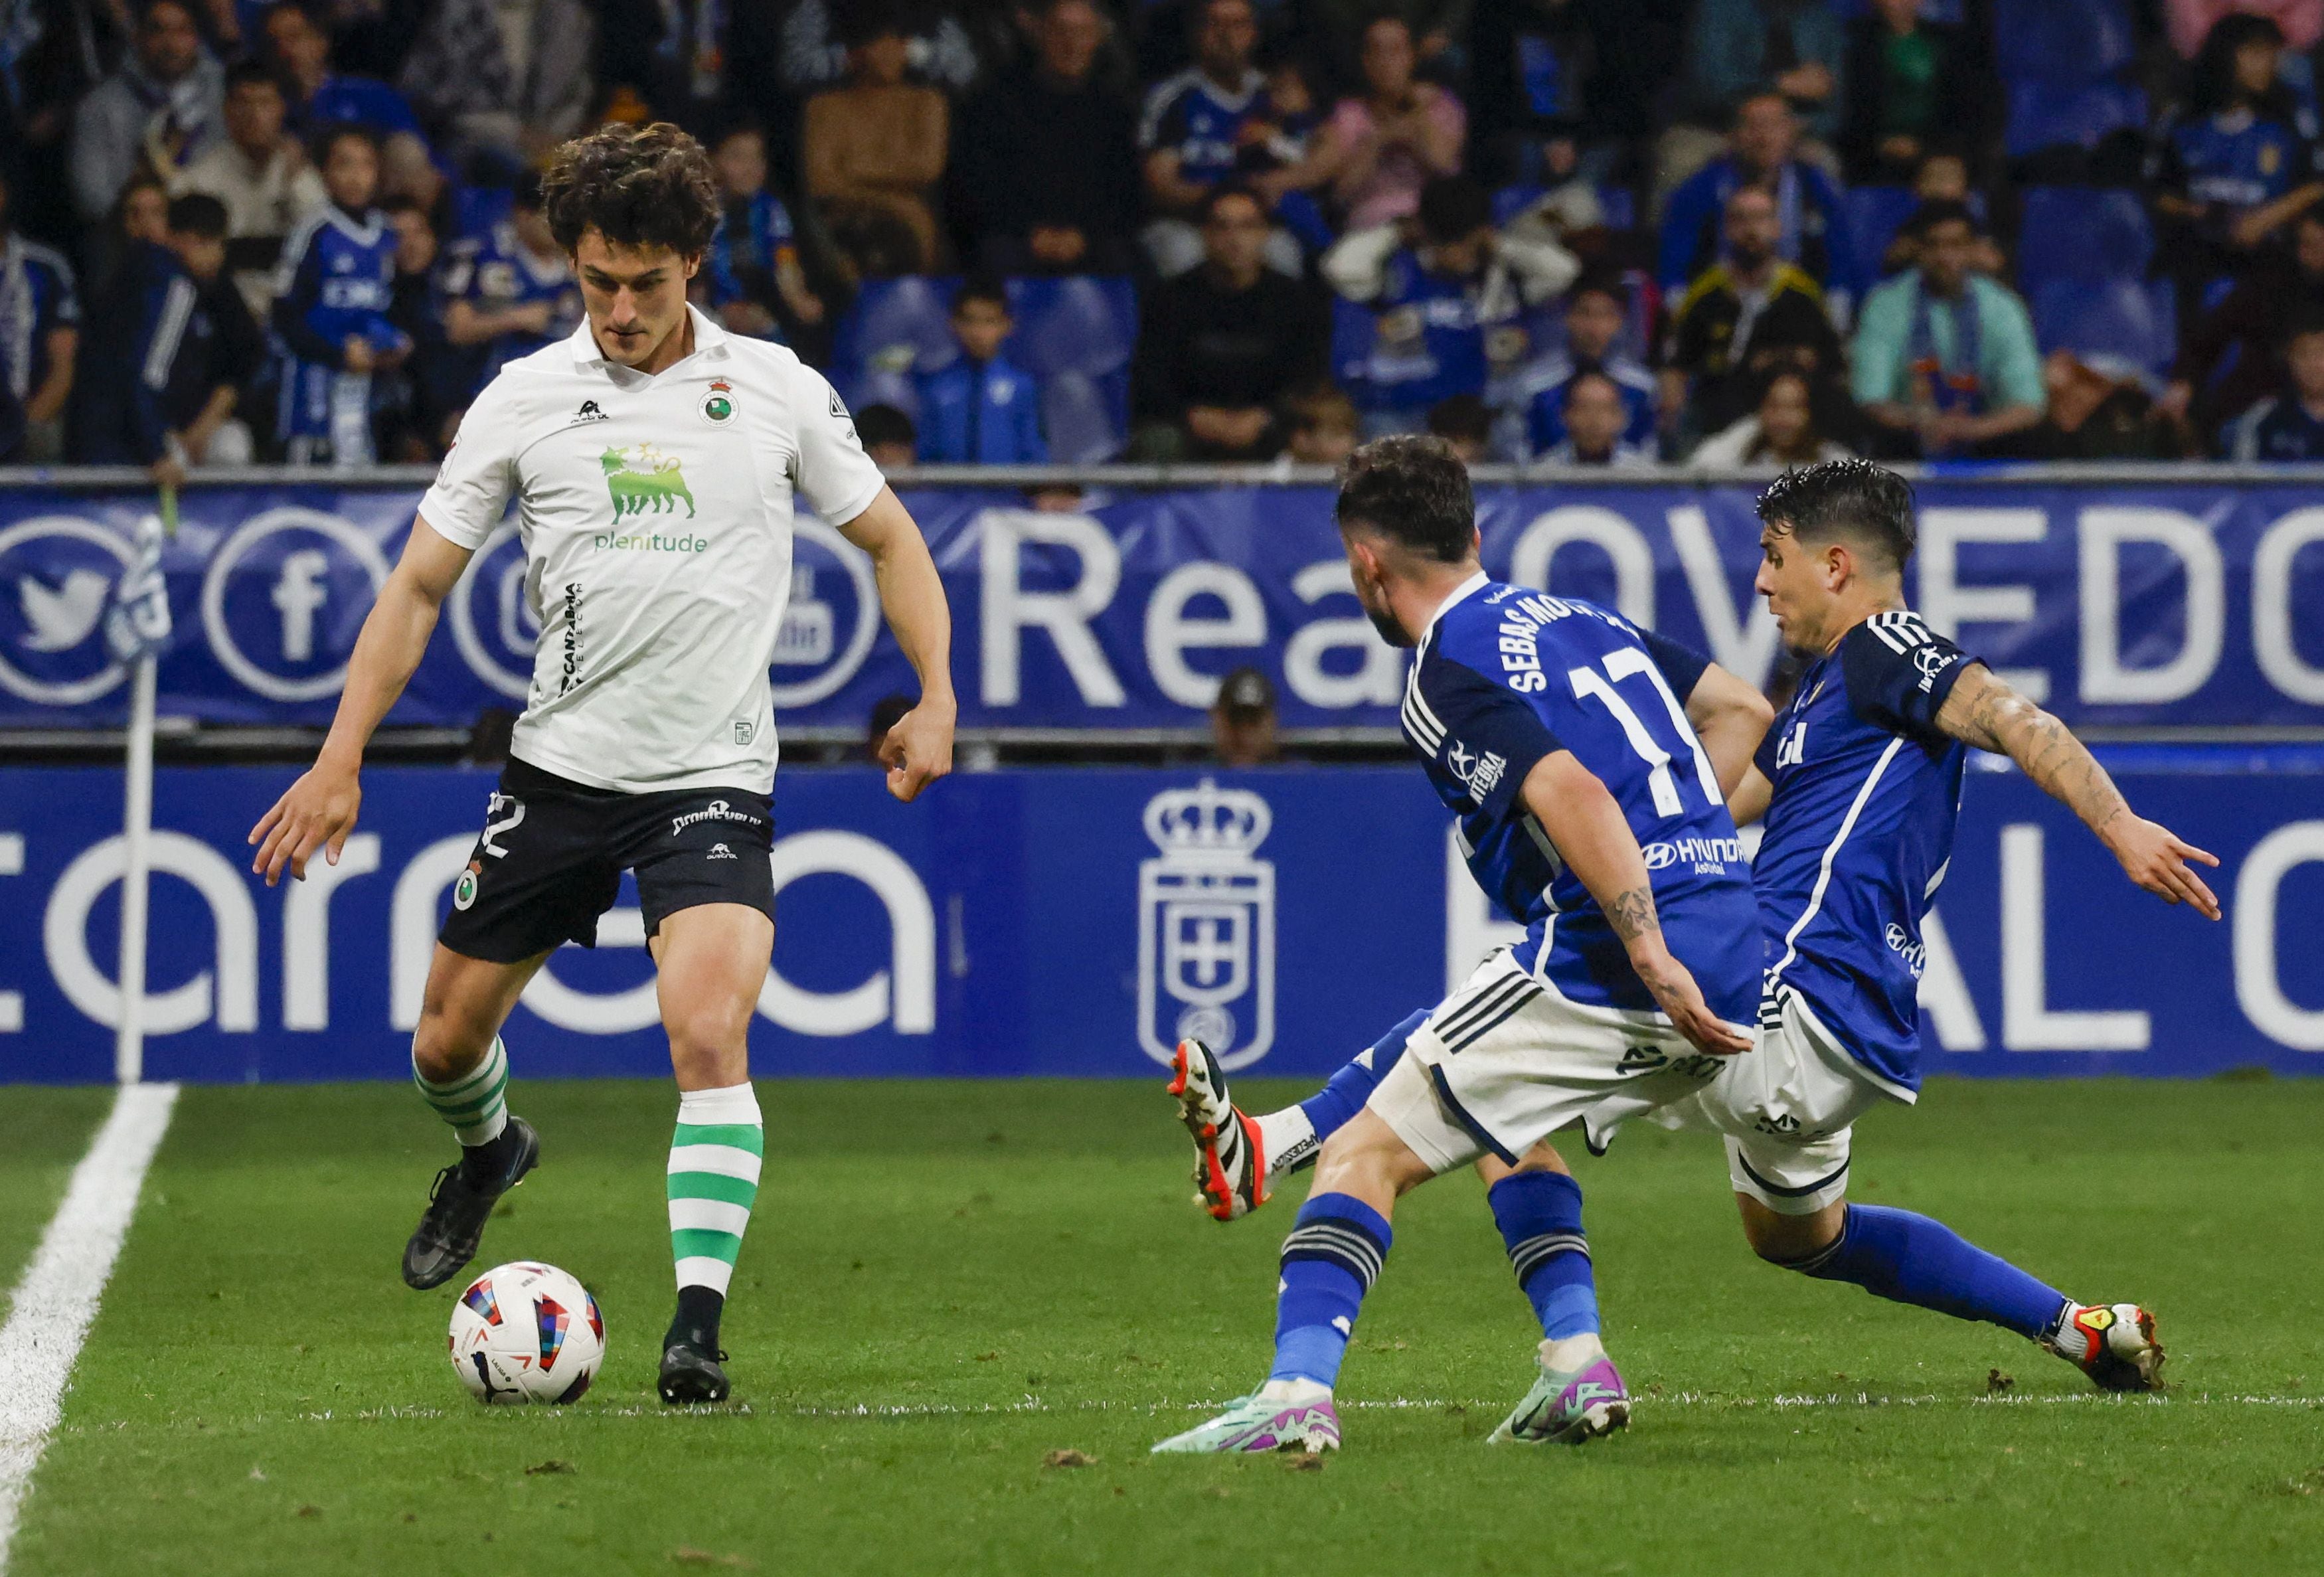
{"points": [[316, 812], [2156, 857], [917, 751], [1677, 994]]}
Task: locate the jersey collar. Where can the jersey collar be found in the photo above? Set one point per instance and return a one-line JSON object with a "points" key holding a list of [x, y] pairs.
{"points": [[364, 231], [1460, 594], [709, 338]]}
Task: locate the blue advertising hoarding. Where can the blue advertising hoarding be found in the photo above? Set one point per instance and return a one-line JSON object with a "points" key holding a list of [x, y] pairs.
{"points": [[1077, 921], [2195, 605]]}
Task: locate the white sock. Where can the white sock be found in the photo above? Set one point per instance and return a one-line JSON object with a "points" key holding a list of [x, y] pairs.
{"points": [[1295, 1393], [1572, 1352], [715, 1159], [1286, 1138], [475, 1103]]}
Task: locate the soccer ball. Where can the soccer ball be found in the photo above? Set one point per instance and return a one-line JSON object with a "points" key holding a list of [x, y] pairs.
{"points": [[527, 1333]]}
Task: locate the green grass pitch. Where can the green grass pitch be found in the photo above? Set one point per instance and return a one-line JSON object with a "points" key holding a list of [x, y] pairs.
{"points": [[946, 1282]]}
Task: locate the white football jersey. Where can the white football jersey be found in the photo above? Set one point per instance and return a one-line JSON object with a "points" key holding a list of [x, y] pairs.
{"points": [[656, 513]]}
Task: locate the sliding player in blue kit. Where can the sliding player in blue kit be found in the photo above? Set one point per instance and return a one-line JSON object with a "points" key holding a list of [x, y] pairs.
{"points": [[1859, 785], [1551, 728]]}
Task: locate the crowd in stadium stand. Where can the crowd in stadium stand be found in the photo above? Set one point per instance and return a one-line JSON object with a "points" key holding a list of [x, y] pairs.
{"points": [[1617, 233]]}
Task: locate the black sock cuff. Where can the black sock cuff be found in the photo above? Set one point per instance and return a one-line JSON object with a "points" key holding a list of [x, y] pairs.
{"points": [[1814, 1264]]}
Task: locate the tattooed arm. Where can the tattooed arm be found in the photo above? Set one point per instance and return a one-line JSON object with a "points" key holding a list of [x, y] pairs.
{"points": [[1730, 717], [1984, 712], [1586, 824]]}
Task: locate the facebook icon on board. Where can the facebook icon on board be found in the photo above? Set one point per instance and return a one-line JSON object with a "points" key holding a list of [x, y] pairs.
{"points": [[2184, 605], [316, 575]]}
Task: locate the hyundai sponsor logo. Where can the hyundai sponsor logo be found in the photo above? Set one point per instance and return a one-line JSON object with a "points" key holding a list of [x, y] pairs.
{"points": [[1708, 856]]}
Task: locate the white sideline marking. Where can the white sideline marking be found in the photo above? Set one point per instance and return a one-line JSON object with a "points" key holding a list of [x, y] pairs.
{"points": [[57, 1298], [2172, 1399]]}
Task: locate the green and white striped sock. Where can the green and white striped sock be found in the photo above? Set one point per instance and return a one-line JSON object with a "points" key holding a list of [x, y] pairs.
{"points": [[713, 1180], [477, 1102]]}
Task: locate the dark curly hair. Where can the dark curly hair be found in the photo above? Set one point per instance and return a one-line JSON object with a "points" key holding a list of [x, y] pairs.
{"points": [[637, 186], [1415, 492], [1856, 499]]}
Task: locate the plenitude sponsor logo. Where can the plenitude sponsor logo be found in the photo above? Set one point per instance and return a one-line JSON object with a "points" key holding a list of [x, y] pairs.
{"points": [[650, 542]]}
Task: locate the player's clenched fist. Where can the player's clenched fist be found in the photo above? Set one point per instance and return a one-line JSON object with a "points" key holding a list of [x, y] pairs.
{"points": [[917, 750], [316, 812]]}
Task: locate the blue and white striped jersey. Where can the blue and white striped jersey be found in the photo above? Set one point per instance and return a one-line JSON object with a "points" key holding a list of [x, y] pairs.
{"points": [[493, 271], [1193, 117], [1858, 833], [1505, 675], [335, 283]]}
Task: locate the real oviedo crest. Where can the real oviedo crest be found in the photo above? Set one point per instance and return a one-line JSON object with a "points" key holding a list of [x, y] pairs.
{"points": [[1206, 925]]}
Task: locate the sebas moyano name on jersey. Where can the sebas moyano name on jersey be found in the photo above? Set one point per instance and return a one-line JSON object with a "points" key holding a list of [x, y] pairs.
{"points": [[1523, 619]]}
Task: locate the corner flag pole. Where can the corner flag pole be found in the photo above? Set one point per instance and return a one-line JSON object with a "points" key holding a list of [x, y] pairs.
{"points": [[137, 836]]}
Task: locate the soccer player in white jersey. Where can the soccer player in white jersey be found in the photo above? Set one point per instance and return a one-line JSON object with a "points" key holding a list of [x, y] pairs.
{"points": [[653, 459], [1859, 785]]}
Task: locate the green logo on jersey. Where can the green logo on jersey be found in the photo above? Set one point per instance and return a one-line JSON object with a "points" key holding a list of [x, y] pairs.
{"points": [[641, 479]]}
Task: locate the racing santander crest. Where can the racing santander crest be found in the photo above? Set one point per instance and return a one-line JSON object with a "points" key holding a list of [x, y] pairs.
{"points": [[1206, 925]]}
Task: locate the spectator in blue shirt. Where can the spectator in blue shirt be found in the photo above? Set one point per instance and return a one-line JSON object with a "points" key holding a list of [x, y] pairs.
{"points": [[302, 50], [1944, 360], [754, 280], [2232, 168], [1737, 50], [40, 334], [420, 402], [1191, 136], [336, 284], [2290, 427], [1762, 151], [511, 291], [1448, 295], [982, 408], [320, 97], [168, 353], [1595, 310]]}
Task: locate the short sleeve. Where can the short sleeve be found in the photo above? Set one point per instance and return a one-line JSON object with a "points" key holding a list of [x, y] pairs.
{"points": [[474, 485], [835, 476], [65, 303], [1898, 672], [1164, 123], [1770, 747], [1878, 353], [456, 276], [2016, 375], [1486, 734], [1681, 666]]}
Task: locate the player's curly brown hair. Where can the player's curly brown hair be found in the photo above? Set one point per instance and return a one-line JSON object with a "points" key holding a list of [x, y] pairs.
{"points": [[638, 186]]}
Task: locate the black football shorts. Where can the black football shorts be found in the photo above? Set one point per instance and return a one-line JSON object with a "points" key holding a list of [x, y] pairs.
{"points": [[550, 859]]}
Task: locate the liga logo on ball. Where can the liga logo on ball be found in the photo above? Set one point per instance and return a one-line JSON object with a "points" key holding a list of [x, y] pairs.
{"points": [[527, 1333]]}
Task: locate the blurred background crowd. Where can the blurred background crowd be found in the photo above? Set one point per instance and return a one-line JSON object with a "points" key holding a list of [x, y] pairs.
{"points": [[1619, 233]]}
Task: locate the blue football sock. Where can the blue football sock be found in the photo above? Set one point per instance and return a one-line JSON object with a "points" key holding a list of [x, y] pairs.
{"points": [[1332, 1108], [1912, 1259], [1330, 1261], [1540, 1217]]}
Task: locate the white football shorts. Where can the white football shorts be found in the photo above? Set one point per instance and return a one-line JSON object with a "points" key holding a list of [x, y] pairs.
{"points": [[1787, 1110], [1509, 1059]]}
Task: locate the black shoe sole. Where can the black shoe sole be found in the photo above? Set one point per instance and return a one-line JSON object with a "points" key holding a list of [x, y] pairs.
{"points": [[527, 1158], [688, 1377]]}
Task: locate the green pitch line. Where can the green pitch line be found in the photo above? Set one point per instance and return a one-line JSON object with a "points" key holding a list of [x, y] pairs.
{"points": [[946, 1282], [43, 1133]]}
